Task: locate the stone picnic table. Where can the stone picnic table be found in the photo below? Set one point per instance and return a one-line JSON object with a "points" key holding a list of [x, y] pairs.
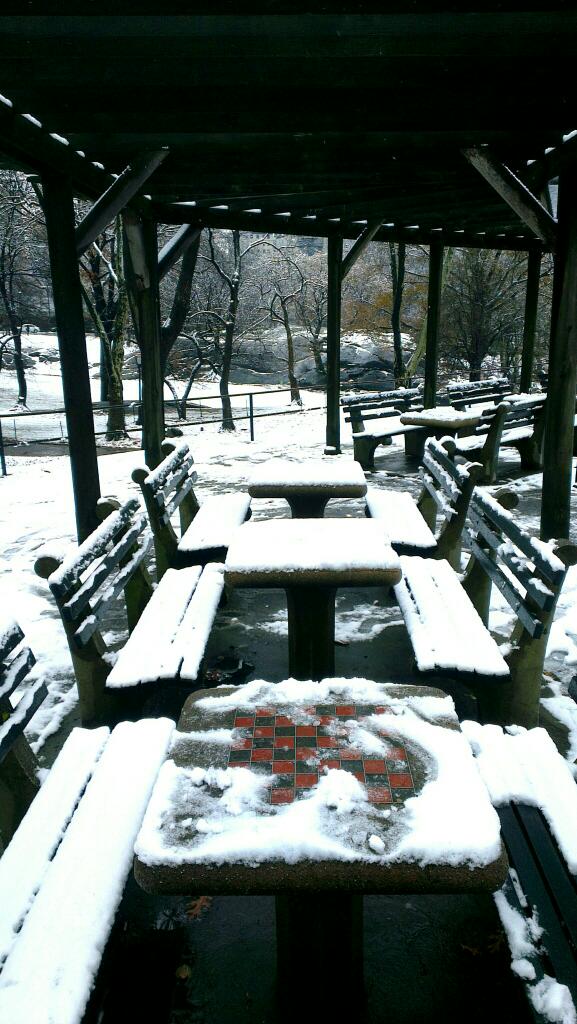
{"points": [[308, 486], [438, 422], [349, 787], [310, 559]]}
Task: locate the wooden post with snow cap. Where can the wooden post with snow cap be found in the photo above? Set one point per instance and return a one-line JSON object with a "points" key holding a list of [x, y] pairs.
{"points": [[433, 316], [530, 321], [334, 271]]}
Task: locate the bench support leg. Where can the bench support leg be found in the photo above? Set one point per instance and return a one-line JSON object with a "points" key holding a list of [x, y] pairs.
{"points": [[311, 625], [415, 444], [333, 925], [364, 452]]}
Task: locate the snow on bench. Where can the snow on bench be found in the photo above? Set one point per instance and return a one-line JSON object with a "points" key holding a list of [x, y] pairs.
{"points": [[447, 620], [206, 529], [447, 490], [446, 632], [535, 794], [169, 641], [53, 959]]}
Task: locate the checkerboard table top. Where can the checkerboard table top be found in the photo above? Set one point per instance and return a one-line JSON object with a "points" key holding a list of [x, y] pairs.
{"points": [[296, 755], [371, 786]]}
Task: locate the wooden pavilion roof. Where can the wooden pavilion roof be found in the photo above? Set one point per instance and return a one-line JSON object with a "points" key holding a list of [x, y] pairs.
{"points": [[299, 122]]}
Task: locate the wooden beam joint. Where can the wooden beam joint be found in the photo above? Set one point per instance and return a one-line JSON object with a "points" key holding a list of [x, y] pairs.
{"points": [[515, 194]]}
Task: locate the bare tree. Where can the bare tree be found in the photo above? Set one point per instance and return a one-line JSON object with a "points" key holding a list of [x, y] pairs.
{"points": [[19, 231], [231, 268], [483, 307], [311, 305], [103, 281], [286, 285]]}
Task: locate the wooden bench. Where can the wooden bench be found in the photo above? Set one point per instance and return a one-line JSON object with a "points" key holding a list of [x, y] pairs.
{"points": [[410, 525], [524, 428], [62, 876], [18, 765], [205, 530], [484, 442], [535, 796], [447, 621], [169, 626], [494, 389], [378, 404]]}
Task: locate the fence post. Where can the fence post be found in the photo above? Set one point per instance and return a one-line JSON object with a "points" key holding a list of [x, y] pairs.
{"points": [[251, 415], [2, 458]]}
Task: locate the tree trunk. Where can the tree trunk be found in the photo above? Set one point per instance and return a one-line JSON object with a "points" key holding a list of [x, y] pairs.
{"points": [[317, 355], [294, 386], [227, 420], [398, 274], [19, 367], [116, 426]]}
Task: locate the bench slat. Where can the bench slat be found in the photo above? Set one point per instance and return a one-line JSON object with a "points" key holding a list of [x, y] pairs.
{"points": [[10, 637], [26, 858], [537, 892], [561, 884], [90, 624], [539, 592], [16, 671], [446, 632], [188, 480], [101, 572], [215, 522], [142, 657], [72, 915], [486, 506], [533, 625], [96, 545], [27, 707], [192, 636]]}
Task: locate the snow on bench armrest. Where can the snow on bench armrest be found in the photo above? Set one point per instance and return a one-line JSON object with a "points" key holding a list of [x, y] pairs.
{"points": [[215, 522], [402, 521], [445, 630], [51, 969], [26, 858], [141, 659]]}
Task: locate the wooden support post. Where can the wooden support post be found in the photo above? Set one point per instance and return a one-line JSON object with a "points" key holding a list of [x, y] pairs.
{"points": [[335, 259], [560, 406], [59, 213], [530, 323], [433, 315], [142, 275]]}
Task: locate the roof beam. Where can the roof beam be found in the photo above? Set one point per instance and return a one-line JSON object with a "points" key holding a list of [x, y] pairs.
{"points": [[116, 197], [181, 240], [322, 228], [358, 248], [515, 193]]}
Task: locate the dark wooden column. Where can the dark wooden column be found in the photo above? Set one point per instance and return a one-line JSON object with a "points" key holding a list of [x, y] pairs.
{"points": [[530, 323], [558, 443], [59, 213], [143, 281], [334, 271], [433, 315]]}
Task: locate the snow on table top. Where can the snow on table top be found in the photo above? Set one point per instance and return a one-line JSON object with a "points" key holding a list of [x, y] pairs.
{"points": [[351, 548], [341, 477], [398, 512], [524, 766], [215, 522], [210, 815], [50, 970], [441, 416]]}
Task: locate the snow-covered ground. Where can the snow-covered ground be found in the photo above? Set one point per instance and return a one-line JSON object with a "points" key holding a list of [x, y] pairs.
{"points": [[37, 511]]}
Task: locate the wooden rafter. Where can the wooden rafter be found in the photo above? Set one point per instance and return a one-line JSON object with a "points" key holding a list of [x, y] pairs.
{"points": [[116, 197], [358, 248], [171, 252], [515, 193]]}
